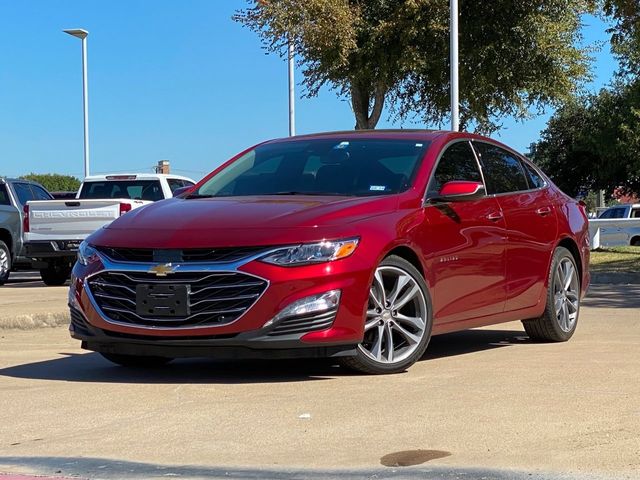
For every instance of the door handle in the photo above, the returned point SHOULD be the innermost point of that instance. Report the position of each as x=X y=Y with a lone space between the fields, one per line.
x=542 y=211
x=495 y=216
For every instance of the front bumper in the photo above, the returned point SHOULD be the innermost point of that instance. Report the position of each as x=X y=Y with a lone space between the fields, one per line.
x=323 y=334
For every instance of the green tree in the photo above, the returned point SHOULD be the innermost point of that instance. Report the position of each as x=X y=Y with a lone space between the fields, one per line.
x=55 y=182
x=625 y=38
x=594 y=143
x=514 y=56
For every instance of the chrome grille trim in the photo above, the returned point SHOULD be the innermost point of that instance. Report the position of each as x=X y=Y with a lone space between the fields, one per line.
x=197 y=276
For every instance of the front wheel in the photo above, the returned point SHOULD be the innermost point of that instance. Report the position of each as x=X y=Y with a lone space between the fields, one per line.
x=5 y=262
x=560 y=317
x=136 y=361
x=397 y=326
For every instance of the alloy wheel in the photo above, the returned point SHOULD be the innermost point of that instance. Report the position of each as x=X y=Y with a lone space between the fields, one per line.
x=4 y=262
x=566 y=295
x=396 y=316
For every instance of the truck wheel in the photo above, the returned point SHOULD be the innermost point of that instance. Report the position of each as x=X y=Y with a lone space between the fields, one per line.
x=560 y=317
x=635 y=242
x=56 y=274
x=136 y=361
x=5 y=262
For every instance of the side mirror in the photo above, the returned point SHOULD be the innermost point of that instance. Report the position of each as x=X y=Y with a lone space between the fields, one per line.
x=460 y=191
x=179 y=191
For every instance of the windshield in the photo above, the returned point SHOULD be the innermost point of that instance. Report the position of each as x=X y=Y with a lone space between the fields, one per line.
x=350 y=167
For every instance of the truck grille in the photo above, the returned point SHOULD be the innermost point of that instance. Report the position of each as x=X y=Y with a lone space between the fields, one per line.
x=211 y=255
x=214 y=298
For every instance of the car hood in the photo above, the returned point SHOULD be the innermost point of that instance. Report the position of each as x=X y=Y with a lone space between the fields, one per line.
x=229 y=221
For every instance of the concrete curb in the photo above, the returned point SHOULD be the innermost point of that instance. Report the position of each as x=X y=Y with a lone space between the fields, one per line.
x=30 y=322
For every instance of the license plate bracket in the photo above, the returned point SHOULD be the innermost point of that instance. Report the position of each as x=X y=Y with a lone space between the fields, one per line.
x=159 y=300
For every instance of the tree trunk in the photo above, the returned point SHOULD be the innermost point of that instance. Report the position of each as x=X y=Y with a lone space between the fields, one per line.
x=360 y=100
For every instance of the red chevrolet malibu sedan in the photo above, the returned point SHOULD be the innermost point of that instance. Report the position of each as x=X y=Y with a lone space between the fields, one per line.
x=353 y=245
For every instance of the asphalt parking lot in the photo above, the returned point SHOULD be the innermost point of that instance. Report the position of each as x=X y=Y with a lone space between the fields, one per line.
x=485 y=403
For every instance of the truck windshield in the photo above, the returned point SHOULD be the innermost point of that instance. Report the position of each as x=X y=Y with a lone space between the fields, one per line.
x=134 y=189
x=351 y=167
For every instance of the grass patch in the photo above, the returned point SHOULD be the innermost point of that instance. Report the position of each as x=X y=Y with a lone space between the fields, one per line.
x=615 y=259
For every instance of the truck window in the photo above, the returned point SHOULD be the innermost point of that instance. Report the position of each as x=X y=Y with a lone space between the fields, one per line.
x=617 y=212
x=23 y=192
x=635 y=213
x=134 y=189
x=4 y=196
x=40 y=193
x=176 y=183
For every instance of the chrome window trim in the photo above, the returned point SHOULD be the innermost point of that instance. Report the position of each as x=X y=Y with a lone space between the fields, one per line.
x=520 y=158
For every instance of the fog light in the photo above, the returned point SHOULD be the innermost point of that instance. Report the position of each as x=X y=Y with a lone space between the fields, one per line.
x=307 y=305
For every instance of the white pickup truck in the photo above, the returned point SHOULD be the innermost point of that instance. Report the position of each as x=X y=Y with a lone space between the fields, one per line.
x=616 y=226
x=53 y=229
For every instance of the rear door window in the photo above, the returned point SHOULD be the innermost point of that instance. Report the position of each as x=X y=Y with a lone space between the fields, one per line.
x=503 y=171
x=533 y=177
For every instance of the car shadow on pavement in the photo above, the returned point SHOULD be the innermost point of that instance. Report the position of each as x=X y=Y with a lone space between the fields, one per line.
x=612 y=296
x=92 y=367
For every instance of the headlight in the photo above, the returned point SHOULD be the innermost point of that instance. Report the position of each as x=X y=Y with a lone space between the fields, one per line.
x=87 y=254
x=309 y=253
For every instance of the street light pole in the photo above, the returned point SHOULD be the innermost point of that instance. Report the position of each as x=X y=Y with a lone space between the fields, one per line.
x=453 y=46
x=292 y=96
x=82 y=35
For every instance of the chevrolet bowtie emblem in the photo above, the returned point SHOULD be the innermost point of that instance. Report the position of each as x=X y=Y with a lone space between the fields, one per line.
x=163 y=270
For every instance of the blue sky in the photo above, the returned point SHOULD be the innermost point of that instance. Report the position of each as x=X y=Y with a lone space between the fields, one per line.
x=167 y=80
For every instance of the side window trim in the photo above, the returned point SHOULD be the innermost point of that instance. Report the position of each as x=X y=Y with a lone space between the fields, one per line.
x=527 y=163
x=437 y=162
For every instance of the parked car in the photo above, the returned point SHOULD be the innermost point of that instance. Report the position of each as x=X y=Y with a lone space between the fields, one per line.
x=616 y=226
x=624 y=210
x=14 y=194
x=54 y=229
x=353 y=245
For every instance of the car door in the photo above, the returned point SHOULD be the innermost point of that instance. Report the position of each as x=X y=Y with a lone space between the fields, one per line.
x=530 y=218
x=464 y=243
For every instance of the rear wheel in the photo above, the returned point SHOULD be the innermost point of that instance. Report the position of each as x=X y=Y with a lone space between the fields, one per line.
x=138 y=361
x=398 y=320
x=635 y=242
x=5 y=262
x=560 y=317
x=56 y=273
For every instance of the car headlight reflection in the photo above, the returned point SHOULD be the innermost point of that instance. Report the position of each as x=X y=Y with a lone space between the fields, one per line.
x=309 y=253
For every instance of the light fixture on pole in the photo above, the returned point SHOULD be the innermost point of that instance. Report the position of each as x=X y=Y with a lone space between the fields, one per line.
x=453 y=46
x=292 y=96
x=82 y=35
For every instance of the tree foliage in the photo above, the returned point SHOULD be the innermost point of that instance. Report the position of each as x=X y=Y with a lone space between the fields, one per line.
x=54 y=182
x=594 y=143
x=625 y=39
x=514 y=56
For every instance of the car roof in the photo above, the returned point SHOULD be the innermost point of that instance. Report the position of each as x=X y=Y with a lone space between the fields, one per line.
x=19 y=180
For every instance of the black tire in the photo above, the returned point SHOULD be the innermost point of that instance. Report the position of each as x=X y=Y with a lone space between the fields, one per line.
x=136 y=361
x=635 y=242
x=5 y=262
x=421 y=306
x=55 y=274
x=550 y=326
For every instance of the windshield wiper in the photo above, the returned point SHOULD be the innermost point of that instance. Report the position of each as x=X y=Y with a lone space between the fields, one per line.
x=295 y=192
x=197 y=195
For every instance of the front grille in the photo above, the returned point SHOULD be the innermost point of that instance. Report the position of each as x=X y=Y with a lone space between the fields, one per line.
x=304 y=324
x=210 y=255
x=214 y=298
